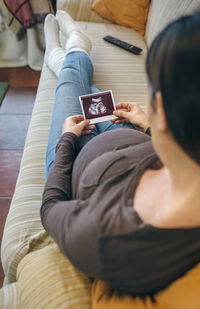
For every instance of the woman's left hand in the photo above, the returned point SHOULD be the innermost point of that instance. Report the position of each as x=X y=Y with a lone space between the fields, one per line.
x=131 y=112
x=77 y=125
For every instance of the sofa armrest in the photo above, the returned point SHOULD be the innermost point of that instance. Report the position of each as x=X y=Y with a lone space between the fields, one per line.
x=47 y=279
x=9 y=296
x=81 y=10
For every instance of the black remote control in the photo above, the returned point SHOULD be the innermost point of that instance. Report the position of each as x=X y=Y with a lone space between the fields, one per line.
x=129 y=47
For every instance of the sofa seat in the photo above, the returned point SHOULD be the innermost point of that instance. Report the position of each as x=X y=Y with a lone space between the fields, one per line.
x=115 y=68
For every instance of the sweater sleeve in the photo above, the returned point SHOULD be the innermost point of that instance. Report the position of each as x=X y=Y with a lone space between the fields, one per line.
x=58 y=185
x=69 y=222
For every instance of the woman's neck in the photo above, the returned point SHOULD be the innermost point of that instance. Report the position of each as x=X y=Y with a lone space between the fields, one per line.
x=183 y=176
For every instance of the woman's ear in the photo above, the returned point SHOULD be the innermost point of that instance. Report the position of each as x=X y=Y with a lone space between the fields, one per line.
x=161 y=121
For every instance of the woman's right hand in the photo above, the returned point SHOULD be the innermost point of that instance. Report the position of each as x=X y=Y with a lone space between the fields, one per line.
x=78 y=125
x=131 y=112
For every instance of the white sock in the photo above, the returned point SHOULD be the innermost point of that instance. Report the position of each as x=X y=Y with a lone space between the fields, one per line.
x=78 y=42
x=76 y=39
x=54 y=53
x=66 y=22
x=56 y=60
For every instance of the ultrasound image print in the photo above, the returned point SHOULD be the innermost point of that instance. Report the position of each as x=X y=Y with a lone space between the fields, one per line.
x=97 y=105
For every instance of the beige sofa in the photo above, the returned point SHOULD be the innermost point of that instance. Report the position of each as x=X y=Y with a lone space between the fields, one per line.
x=115 y=69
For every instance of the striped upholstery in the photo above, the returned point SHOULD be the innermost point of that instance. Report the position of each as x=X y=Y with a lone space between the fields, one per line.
x=47 y=279
x=81 y=10
x=23 y=227
x=115 y=69
x=162 y=12
x=10 y=297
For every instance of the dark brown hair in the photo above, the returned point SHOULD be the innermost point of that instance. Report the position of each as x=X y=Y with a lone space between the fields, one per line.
x=173 y=67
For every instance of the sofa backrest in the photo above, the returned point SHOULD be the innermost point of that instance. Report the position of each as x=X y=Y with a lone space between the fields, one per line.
x=80 y=10
x=162 y=12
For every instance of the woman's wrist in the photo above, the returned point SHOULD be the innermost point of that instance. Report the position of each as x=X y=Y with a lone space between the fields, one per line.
x=145 y=123
x=143 y=127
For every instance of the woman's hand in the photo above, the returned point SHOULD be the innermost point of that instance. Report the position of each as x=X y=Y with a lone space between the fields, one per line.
x=131 y=112
x=77 y=125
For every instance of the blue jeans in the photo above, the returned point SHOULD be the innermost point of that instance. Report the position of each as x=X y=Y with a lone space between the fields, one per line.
x=75 y=79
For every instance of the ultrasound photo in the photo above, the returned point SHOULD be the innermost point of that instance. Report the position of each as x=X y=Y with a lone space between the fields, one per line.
x=98 y=107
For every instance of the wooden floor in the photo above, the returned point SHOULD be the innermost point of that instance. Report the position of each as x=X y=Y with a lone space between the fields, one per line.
x=15 y=114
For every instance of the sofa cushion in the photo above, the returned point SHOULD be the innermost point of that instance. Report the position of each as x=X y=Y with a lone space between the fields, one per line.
x=162 y=12
x=181 y=294
x=47 y=279
x=9 y=296
x=81 y=10
x=115 y=69
x=124 y=12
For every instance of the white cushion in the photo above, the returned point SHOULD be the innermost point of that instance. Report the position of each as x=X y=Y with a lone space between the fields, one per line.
x=81 y=10
x=164 y=11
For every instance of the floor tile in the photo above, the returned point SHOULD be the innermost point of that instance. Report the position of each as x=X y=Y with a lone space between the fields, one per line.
x=13 y=130
x=9 y=169
x=19 y=100
x=4 y=208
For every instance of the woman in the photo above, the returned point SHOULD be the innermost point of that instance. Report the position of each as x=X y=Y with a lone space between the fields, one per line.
x=122 y=206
